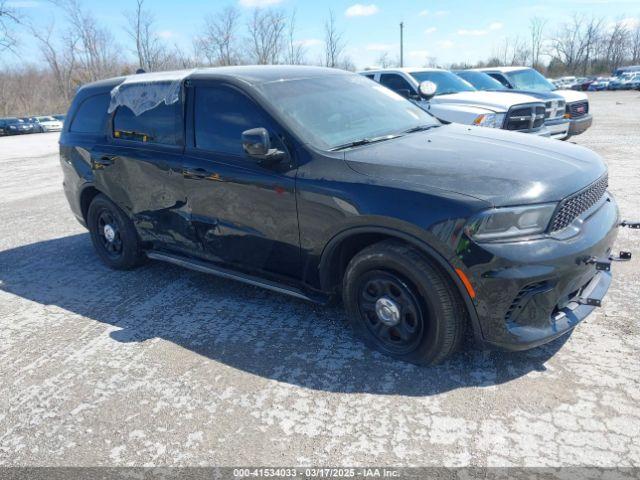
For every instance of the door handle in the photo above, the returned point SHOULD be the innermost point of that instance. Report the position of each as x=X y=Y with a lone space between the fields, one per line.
x=194 y=173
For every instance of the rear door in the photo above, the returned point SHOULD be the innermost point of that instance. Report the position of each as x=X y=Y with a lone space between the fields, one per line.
x=244 y=212
x=140 y=169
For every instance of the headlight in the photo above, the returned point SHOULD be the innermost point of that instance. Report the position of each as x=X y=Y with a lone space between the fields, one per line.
x=492 y=120
x=507 y=223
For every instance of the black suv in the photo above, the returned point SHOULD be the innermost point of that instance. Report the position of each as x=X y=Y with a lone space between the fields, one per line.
x=320 y=183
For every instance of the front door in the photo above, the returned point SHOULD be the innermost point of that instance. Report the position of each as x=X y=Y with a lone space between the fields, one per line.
x=244 y=213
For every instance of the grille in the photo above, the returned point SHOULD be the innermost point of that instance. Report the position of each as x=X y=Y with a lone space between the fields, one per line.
x=525 y=117
x=578 y=109
x=579 y=203
x=554 y=109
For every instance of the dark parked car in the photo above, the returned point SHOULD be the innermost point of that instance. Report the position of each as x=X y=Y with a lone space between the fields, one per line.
x=320 y=183
x=15 y=126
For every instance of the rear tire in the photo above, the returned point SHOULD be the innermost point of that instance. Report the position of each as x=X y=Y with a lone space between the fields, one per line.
x=401 y=304
x=113 y=235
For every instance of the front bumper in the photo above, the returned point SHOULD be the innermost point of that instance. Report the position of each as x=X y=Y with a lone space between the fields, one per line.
x=527 y=292
x=559 y=128
x=580 y=124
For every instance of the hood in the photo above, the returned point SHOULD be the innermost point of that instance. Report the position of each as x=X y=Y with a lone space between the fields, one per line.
x=499 y=167
x=540 y=95
x=572 y=95
x=496 y=101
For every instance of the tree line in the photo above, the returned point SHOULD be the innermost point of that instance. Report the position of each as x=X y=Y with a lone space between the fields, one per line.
x=82 y=49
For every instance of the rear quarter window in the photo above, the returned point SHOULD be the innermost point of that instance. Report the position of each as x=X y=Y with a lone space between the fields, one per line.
x=91 y=115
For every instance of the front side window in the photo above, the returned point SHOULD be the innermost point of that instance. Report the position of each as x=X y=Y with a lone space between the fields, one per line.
x=481 y=80
x=221 y=115
x=500 y=78
x=332 y=110
x=158 y=125
x=91 y=115
x=395 y=82
x=446 y=82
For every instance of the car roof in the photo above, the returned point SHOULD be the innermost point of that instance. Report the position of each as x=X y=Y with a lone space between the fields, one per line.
x=402 y=69
x=250 y=74
x=500 y=69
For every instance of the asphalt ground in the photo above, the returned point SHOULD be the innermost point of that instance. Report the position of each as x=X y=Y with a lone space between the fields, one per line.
x=164 y=366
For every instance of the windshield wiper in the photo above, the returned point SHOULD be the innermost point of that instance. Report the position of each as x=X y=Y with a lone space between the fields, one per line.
x=363 y=141
x=420 y=128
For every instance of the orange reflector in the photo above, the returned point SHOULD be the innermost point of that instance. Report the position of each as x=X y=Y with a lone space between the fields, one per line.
x=467 y=283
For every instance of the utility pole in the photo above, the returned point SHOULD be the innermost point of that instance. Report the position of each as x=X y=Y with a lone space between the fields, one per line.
x=401 y=44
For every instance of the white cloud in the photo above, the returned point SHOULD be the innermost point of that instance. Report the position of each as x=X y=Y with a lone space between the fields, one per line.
x=477 y=32
x=445 y=44
x=430 y=30
x=166 y=34
x=259 y=3
x=423 y=13
x=418 y=53
x=308 y=42
x=380 y=47
x=472 y=33
x=359 y=10
x=630 y=23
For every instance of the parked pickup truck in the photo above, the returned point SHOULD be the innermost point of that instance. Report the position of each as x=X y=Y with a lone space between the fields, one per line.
x=525 y=78
x=457 y=101
x=555 y=118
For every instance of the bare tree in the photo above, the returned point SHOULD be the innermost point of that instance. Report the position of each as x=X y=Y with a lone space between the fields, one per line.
x=512 y=51
x=219 y=42
x=385 y=60
x=60 y=56
x=266 y=36
x=634 y=36
x=296 y=51
x=8 y=18
x=536 y=33
x=149 y=49
x=333 y=42
x=96 y=51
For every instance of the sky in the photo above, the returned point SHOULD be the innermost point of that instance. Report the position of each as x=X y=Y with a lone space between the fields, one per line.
x=447 y=31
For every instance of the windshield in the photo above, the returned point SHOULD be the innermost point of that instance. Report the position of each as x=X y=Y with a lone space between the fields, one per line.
x=481 y=80
x=446 y=82
x=530 y=79
x=336 y=110
x=46 y=119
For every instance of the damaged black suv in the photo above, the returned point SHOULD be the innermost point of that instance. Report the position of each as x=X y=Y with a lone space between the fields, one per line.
x=320 y=183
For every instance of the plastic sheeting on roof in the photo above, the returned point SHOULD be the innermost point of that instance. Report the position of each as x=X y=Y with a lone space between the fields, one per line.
x=148 y=90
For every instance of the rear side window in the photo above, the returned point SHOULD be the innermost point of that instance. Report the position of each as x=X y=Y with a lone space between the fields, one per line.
x=158 y=125
x=221 y=115
x=91 y=115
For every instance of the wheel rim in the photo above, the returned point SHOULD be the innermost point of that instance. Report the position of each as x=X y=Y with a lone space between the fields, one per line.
x=109 y=234
x=391 y=311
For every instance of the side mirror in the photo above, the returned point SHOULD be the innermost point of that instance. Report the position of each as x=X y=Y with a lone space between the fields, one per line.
x=256 y=144
x=427 y=90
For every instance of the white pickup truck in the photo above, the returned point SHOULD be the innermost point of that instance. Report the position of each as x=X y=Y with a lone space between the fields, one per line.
x=457 y=101
x=525 y=78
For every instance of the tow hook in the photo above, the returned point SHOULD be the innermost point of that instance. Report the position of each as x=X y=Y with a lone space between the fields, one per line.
x=628 y=224
x=604 y=264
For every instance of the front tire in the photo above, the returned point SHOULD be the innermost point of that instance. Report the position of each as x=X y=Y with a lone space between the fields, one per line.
x=113 y=235
x=401 y=304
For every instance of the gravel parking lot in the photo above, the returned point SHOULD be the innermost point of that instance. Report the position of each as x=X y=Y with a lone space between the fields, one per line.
x=164 y=366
